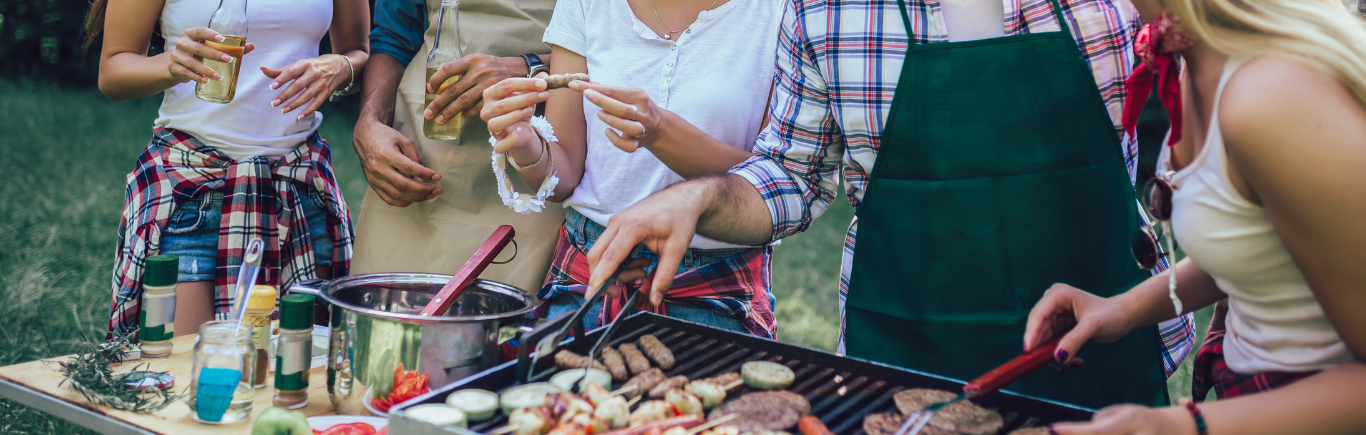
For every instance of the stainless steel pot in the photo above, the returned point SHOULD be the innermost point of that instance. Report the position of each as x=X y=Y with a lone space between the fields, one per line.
x=375 y=327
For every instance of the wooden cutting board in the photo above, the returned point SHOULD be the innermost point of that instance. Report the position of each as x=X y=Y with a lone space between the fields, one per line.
x=175 y=419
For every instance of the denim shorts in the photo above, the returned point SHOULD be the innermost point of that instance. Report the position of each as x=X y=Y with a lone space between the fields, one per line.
x=585 y=232
x=192 y=233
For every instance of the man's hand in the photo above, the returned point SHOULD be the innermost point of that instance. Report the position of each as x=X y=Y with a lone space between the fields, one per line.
x=665 y=222
x=392 y=165
x=479 y=71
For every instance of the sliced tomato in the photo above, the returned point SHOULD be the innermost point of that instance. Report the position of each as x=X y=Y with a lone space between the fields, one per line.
x=350 y=429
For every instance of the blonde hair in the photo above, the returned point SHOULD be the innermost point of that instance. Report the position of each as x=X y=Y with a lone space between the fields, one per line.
x=1323 y=34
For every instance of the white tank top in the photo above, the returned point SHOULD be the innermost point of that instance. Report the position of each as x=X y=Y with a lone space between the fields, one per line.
x=283 y=32
x=1274 y=322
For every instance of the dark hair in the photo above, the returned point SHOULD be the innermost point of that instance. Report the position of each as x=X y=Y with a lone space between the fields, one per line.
x=94 y=23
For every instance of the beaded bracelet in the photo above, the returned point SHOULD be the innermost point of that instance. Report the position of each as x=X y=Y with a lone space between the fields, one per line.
x=1199 y=418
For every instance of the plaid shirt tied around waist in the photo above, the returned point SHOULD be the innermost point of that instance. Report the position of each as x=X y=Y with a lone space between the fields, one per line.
x=736 y=286
x=261 y=200
x=838 y=63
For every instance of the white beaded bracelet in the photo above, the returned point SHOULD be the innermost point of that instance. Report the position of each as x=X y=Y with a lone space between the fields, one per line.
x=521 y=202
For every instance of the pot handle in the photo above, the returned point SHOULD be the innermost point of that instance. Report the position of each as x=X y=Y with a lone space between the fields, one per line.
x=309 y=287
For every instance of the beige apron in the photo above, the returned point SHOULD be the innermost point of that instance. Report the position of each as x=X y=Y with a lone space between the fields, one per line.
x=437 y=236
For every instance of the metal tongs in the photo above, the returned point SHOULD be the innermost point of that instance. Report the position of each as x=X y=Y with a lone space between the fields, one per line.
x=987 y=384
x=546 y=346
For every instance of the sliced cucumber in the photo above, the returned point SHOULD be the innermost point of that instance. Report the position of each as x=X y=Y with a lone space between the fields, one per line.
x=526 y=396
x=565 y=378
x=478 y=405
x=438 y=414
x=766 y=375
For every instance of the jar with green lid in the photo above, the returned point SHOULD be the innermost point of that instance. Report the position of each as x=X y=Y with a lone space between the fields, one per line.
x=294 y=351
x=156 y=318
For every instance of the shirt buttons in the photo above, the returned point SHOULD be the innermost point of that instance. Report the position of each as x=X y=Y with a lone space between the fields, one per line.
x=669 y=64
x=673 y=47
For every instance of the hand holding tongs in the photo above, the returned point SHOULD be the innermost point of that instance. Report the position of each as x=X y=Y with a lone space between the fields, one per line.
x=987 y=384
x=547 y=346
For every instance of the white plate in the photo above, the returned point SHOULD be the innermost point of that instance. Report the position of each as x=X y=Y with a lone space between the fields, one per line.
x=323 y=422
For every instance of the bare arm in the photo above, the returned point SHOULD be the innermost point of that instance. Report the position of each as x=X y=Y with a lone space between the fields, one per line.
x=126 y=72
x=392 y=165
x=510 y=106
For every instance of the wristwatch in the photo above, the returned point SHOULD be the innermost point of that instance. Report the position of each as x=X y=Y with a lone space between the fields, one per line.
x=534 y=65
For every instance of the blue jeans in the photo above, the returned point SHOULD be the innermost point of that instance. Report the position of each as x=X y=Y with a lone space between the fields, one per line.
x=584 y=232
x=192 y=234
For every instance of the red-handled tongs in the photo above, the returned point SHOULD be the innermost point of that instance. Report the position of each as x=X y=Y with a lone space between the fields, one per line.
x=471 y=270
x=987 y=384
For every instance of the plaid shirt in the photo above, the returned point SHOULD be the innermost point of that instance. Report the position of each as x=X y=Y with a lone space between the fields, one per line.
x=837 y=69
x=262 y=201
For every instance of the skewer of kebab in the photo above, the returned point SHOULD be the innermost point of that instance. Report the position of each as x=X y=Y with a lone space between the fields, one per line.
x=657 y=351
x=635 y=360
x=679 y=430
x=643 y=382
x=616 y=364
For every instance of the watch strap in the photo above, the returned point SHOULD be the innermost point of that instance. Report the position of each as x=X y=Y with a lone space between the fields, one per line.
x=534 y=65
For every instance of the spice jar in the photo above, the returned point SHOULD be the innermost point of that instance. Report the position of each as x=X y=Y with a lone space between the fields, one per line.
x=221 y=347
x=260 y=304
x=294 y=351
x=156 y=318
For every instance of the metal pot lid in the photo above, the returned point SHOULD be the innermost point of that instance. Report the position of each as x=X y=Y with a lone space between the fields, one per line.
x=402 y=296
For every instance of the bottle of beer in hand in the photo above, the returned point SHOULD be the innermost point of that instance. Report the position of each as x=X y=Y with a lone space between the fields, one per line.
x=230 y=20
x=445 y=48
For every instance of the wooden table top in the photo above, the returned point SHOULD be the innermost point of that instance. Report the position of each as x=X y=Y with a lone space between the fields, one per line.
x=176 y=418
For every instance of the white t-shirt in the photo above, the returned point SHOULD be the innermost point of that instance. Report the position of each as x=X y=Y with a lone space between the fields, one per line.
x=970 y=20
x=283 y=32
x=717 y=76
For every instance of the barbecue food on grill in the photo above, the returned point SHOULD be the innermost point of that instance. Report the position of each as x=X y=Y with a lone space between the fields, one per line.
x=710 y=393
x=659 y=426
x=766 y=410
x=657 y=352
x=644 y=382
x=525 y=396
x=686 y=403
x=766 y=375
x=811 y=425
x=668 y=384
x=634 y=359
x=569 y=360
x=478 y=405
x=651 y=410
x=535 y=420
x=616 y=365
x=1030 y=431
x=959 y=418
x=576 y=379
x=614 y=411
x=725 y=380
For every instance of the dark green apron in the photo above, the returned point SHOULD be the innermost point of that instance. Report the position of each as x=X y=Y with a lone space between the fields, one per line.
x=999 y=174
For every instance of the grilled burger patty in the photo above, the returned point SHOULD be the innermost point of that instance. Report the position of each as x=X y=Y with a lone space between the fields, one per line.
x=889 y=423
x=959 y=418
x=767 y=410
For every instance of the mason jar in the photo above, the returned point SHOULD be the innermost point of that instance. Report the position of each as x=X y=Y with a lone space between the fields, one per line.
x=220 y=347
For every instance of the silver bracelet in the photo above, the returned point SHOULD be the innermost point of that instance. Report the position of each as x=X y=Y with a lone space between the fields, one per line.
x=350 y=86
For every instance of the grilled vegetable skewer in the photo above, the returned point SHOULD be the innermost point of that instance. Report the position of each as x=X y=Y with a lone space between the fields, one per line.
x=668 y=384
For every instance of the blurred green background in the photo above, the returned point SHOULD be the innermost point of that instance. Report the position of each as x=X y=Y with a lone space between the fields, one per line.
x=65 y=150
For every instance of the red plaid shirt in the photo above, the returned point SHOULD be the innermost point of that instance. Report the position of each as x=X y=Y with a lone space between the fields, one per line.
x=261 y=200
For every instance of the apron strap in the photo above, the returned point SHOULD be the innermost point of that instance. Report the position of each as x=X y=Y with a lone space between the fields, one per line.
x=1057 y=15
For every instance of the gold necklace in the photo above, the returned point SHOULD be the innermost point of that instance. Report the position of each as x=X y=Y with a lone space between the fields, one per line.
x=666 y=26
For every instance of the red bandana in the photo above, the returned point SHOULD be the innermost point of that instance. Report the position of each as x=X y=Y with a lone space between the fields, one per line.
x=1156 y=45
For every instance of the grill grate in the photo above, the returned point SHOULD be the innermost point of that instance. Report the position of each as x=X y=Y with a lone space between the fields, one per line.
x=841 y=390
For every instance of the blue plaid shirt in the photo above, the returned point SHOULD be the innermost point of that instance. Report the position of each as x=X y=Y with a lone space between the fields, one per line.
x=837 y=68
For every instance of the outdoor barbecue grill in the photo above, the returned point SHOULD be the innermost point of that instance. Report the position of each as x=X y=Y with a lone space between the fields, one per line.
x=842 y=390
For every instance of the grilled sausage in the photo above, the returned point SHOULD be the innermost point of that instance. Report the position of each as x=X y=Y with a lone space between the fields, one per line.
x=569 y=360
x=644 y=382
x=668 y=384
x=616 y=365
x=810 y=425
x=657 y=352
x=634 y=359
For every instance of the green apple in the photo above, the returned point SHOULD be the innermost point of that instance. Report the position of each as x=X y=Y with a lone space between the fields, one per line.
x=279 y=421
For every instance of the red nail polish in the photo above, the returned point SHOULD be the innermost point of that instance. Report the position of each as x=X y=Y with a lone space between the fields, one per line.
x=1061 y=356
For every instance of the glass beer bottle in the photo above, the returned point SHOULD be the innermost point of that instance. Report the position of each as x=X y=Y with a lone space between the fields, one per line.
x=445 y=48
x=230 y=20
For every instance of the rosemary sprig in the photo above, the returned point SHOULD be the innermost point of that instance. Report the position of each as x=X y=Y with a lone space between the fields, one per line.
x=90 y=373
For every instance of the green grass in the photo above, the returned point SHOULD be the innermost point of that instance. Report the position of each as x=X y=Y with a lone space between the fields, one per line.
x=63 y=157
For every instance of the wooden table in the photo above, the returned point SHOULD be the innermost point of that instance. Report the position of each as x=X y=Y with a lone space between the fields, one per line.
x=36 y=385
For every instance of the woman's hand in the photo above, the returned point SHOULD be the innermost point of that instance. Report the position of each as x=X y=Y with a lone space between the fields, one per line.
x=635 y=118
x=508 y=107
x=187 y=64
x=1079 y=317
x=313 y=81
x=1132 y=420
